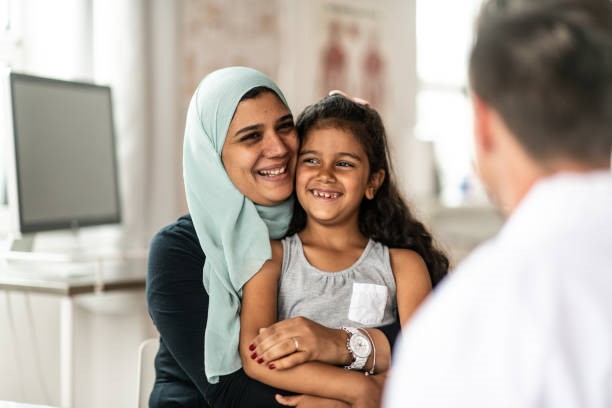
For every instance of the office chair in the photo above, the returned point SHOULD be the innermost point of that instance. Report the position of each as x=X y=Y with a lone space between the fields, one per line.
x=146 y=370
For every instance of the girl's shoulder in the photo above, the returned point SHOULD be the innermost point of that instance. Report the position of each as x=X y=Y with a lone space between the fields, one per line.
x=406 y=261
x=271 y=269
x=411 y=279
x=277 y=245
x=277 y=250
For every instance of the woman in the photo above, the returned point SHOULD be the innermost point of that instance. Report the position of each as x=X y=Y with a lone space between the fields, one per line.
x=239 y=161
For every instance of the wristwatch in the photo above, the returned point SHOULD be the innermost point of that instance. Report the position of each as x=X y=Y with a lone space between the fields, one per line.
x=359 y=346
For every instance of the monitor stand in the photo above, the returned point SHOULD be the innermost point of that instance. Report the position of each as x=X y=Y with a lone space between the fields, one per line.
x=23 y=244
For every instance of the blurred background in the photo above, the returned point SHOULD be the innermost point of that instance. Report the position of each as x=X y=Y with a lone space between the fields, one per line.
x=407 y=57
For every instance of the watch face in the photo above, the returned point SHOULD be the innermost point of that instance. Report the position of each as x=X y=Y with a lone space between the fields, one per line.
x=360 y=345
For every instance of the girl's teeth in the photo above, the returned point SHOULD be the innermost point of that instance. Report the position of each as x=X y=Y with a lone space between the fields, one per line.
x=325 y=195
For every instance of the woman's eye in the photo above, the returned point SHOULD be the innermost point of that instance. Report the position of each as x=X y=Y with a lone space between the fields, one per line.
x=249 y=136
x=285 y=127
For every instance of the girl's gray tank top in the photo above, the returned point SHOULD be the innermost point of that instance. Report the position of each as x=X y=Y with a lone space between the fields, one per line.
x=363 y=295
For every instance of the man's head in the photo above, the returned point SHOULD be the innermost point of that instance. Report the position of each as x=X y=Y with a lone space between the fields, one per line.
x=543 y=69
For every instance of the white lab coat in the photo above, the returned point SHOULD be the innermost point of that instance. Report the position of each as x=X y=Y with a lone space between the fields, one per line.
x=526 y=320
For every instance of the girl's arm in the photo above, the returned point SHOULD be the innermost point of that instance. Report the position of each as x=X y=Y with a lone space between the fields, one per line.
x=314 y=378
x=411 y=280
x=275 y=344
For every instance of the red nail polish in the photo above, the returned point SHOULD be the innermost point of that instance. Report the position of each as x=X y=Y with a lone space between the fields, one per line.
x=253 y=356
x=260 y=360
x=251 y=347
x=271 y=366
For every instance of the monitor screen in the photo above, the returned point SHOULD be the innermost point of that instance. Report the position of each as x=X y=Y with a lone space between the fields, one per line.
x=64 y=147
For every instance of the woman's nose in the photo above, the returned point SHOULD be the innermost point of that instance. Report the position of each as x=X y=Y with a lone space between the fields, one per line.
x=274 y=145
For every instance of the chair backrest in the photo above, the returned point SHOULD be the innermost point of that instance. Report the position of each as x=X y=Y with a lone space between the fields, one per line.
x=146 y=370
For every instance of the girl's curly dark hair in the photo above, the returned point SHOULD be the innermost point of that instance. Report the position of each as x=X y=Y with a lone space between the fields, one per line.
x=386 y=218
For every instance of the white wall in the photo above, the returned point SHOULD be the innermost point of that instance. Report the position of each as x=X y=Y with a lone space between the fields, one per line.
x=166 y=197
x=29 y=352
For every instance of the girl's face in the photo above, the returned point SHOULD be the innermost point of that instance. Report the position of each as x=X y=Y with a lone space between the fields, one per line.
x=333 y=176
x=260 y=149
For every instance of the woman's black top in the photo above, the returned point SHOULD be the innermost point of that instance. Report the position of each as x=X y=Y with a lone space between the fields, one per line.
x=178 y=305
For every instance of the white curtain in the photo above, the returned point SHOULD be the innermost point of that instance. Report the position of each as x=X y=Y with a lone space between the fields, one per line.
x=119 y=58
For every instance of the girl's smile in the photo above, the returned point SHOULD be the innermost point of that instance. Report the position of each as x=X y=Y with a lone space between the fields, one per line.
x=326 y=194
x=332 y=175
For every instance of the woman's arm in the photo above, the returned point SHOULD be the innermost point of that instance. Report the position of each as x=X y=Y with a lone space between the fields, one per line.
x=314 y=378
x=178 y=305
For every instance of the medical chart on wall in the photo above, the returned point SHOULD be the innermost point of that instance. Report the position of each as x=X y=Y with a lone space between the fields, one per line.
x=220 y=33
x=351 y=49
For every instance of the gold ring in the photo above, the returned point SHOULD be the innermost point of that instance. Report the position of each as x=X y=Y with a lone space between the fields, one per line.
x=297 y=345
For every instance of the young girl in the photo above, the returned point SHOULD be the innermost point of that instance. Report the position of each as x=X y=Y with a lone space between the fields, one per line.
x=354 y=258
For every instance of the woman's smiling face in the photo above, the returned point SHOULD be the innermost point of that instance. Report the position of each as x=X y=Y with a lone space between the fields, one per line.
x=259 y=152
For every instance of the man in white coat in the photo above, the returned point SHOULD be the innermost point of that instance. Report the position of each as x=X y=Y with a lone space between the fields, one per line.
x=526 y=319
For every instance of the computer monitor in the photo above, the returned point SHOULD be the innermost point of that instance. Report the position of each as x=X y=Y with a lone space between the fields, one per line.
x=62 y=166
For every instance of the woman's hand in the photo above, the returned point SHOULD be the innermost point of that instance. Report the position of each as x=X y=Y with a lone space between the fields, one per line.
x=306 y=401
x=294 y=341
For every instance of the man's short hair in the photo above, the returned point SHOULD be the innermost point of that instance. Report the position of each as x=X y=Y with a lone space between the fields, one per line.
x=546 y=67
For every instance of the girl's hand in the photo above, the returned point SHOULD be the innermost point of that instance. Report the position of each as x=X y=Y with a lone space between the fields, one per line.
x=305 y=401
x=291 y=342
x=368 y=396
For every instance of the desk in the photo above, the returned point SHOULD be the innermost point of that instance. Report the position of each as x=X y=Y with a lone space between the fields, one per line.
x=68 y=280
x=11 y=404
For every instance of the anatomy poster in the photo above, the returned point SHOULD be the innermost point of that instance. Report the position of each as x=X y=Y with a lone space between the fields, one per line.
x=352 y=54
x=220 y=33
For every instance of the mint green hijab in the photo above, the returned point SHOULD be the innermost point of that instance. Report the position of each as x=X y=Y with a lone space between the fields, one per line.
x=233 y=231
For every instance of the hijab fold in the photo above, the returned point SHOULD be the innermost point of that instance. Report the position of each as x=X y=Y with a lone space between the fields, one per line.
x=232 y=230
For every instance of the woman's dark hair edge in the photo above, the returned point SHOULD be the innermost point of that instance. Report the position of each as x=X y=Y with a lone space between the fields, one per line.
x=378 y=218
x=255 y=92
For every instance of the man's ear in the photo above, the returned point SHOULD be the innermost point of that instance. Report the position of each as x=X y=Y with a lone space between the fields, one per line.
x=376 y=180
x=482 y=124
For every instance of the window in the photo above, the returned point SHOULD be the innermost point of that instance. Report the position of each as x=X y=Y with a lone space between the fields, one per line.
x=10 y=32
x=10 y=56
x=444 y=36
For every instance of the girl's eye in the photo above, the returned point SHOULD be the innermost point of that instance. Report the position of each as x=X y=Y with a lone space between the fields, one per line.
x=310 y=160
x=344 y=164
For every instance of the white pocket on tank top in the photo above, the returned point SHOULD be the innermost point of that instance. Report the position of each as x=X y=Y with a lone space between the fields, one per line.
x=368 y=303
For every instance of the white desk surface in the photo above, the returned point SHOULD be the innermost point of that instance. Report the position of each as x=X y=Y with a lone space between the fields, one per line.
x=69 y=279
x=12 y=404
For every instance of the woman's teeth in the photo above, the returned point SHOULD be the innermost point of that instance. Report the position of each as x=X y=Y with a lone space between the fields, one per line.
x=273 y=172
